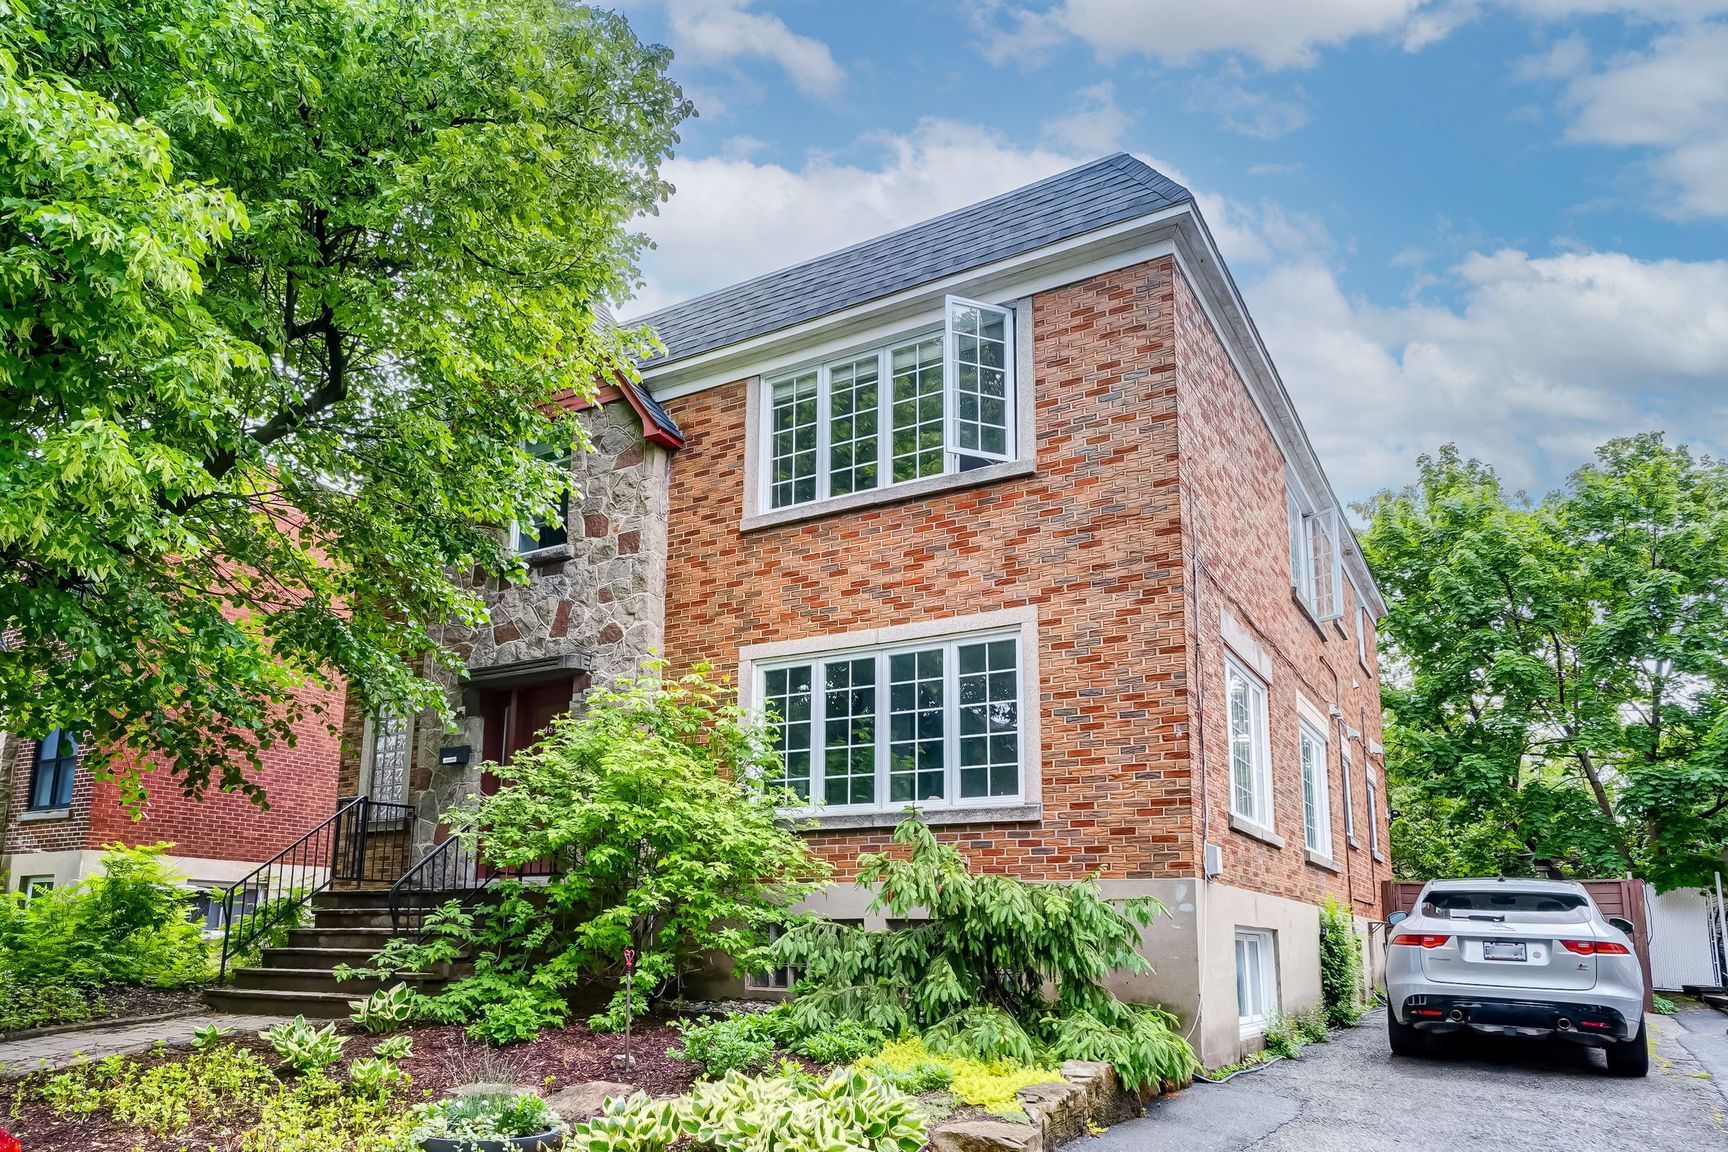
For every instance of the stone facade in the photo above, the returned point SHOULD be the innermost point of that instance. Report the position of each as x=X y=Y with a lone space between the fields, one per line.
x=592 y=608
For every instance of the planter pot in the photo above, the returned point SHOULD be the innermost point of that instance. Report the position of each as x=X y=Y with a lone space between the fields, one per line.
x=544 y=1142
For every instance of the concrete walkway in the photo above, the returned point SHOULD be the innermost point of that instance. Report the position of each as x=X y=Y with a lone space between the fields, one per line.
x=20 y=1057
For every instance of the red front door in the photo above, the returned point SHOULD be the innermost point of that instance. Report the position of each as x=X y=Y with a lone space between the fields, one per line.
x=515 y=718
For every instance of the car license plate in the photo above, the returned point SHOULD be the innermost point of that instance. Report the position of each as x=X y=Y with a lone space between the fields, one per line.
x=1502 y=950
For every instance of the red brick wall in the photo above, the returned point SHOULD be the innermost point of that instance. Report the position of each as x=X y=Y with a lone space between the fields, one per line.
x=1233 y=482
x=1092 y=539
x=299 y=782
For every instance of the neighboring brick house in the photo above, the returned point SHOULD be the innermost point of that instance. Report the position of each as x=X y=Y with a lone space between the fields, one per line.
x=55 y=816
x=1007 y=514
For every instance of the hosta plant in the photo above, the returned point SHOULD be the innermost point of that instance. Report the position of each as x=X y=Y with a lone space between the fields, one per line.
x=303 y=1047
x=849 y=1110
x=394 y=1047
x=209 y=1036
x=385 y=1010
x=376 y=1077
x=488 y=1117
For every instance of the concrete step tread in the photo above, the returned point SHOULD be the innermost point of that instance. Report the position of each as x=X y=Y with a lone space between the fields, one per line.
x=328 y=972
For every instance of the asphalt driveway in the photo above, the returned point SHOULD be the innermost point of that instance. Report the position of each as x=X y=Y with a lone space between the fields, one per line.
x=1352 y=1093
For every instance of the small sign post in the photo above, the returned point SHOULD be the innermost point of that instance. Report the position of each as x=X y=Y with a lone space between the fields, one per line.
x=625 y=1060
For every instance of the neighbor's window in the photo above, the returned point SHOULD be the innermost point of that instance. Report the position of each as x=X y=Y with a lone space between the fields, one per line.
x=550 y=533
x=51 y=777
x=1316 y=570
x=1349 y=804
x=919 y=406
x=1256 y=980
x=1316 y=793
x=1373 y=812
x=1250 y=753
x=1364 y=626
x=930 y=723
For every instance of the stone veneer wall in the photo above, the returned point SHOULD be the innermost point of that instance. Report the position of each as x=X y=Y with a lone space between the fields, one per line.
x=600 y=598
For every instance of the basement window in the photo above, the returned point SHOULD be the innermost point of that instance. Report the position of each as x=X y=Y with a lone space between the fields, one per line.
x=926 y=404
x=1256 y=980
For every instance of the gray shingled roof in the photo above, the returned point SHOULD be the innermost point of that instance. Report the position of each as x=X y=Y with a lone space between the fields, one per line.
x=1072 y=203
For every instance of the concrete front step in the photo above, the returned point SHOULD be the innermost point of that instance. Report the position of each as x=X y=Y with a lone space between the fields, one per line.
x=320 y=936
x=307 y=957
x=324 y=980
x=351 y=918
x=274 y=1002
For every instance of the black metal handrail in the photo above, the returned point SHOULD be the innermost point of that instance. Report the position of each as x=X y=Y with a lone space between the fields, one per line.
x=348 y=847
x=451 y=870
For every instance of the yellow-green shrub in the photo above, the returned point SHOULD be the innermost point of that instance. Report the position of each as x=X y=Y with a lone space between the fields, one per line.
x=988 y=1085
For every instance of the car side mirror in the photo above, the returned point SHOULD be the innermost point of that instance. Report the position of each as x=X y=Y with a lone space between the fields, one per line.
x=1623 y=924
x=1397 y=917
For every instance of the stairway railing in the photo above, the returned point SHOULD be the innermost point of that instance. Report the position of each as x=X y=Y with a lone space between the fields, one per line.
x=346 y=848
x=451 y=870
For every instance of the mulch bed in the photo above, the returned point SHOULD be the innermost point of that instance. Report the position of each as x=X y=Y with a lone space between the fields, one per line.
x=118 y=1004
x=443 y=1058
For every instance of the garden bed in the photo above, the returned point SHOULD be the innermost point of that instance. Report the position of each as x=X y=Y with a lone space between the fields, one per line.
x=443 y=1059
x=116 y=1007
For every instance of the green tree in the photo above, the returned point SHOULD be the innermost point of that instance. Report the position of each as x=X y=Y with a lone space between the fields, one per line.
x=1559 y=695
x=285 y=289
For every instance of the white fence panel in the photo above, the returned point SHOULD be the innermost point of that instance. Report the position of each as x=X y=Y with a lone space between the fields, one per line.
x=1682 y=946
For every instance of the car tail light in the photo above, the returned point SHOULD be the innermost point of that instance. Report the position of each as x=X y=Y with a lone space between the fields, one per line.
x=1595 y=948
x=1421 y=940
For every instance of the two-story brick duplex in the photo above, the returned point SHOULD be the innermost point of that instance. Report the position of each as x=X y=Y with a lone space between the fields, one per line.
x=1006 y=514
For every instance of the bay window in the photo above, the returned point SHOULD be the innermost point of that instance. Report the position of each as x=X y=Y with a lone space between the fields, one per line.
x=932 y=723
x=923 y=405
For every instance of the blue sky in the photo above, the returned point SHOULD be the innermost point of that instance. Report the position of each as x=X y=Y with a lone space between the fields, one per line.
x=1502 y=223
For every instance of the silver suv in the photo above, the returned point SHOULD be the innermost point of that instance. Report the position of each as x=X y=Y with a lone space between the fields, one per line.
x=1516 y=957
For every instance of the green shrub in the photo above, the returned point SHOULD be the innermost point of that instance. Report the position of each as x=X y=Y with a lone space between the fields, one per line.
x=124 y=925
x=25 y=1005
x=385 y=1010
x=302 y=1047
x=651 y=801
x=1340 y=966
x=1662 y=1005
x=740 y=1043
x=975 y=978
x=843 y=1043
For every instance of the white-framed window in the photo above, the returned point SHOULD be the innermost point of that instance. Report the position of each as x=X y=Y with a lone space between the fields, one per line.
x=1349 y=804
x=935 y=723
x=1373 y=812
x=1364 y=627
x=925 y=404
x=1316 y=567
x=1316 y=790
x=1256 y=980
x=29 y=886
x=550 y=533
x=1250 y=749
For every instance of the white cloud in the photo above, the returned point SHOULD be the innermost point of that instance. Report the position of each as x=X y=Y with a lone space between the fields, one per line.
x=734 y=217
x=1542 y=359
x=1096 y=124
x=1240 y=109
x=722 y=33
x=1671 y=99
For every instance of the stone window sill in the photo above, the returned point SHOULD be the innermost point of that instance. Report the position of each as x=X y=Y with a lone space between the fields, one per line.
x=893 y=493
x=1257 y=831
x=1355 y=844
x=37 y=815
x=978 y=814
x=1379 y=858
x=541 y=557
x=1318 y=861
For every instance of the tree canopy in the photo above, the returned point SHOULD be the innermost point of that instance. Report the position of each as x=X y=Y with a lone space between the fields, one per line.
x=285 y=289
x=1558 y=692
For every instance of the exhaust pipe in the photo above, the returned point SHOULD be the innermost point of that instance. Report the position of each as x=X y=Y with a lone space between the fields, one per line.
x=1457 y=1015
x=1563 y=1024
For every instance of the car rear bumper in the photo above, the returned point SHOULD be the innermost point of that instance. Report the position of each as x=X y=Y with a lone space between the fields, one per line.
x=1589 y=1023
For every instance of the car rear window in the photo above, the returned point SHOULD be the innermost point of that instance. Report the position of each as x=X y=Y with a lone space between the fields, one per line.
x=1464 y=904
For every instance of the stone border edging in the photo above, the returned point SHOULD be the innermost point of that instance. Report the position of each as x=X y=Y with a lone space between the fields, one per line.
x=93 y=1025
x=1089 y=1094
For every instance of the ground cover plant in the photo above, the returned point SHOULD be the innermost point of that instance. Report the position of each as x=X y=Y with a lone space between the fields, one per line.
x=69 y=953
x=986 y=967
x=667 y=844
